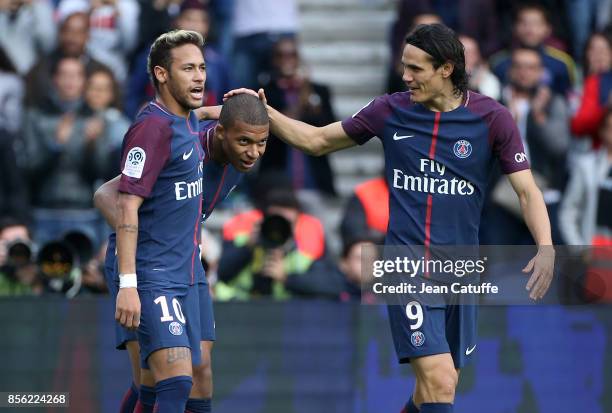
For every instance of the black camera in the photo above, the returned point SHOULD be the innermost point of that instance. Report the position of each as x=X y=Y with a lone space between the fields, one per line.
x=275 y=231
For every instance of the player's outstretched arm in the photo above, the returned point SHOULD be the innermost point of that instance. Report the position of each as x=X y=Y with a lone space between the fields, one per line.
x=128 y=303
x=105 y=200
x=313 y=140
x=208 y=112
x=536 y=218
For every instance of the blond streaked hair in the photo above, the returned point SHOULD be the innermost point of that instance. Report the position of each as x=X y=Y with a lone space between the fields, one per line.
x=159 y=55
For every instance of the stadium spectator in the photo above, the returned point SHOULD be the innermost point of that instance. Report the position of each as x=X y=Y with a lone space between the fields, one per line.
x=264 y=247
x=113 y=30
x=595 y=99
x=18 y=272
x=59 y=148
x=367 y=210
x=532 y=29
x=155 y=18
x=581 y=15
x=13 y=188
x=482 y=80
x=106 y=125
x=293 y=93
x=11 y=95
x=587 y=202
x=27 y=30
x=72 y=39
x=258 y=25
x=338 y=281
x=598 y=54
x=542 y=119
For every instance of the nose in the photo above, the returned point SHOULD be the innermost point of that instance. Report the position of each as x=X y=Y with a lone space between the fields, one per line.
x=200 y=75
x=407 y=76
x=253 y=152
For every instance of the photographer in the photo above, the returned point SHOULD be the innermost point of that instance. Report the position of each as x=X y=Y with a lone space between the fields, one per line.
x=265 y=247
x=18 y=273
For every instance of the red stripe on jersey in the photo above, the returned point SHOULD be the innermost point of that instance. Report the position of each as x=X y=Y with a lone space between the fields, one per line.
x=214 y=201
x=196 y=241
x=432 y=155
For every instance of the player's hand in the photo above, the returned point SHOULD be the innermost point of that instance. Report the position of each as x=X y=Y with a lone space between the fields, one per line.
x=127 y=311
x=240 y=91
x=542 y=265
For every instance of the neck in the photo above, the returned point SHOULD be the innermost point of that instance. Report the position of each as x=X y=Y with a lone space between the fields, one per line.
x=171 y=104
x=217 y=155
x=445 y=102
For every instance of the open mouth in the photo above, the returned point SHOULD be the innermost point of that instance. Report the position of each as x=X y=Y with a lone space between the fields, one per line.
x=247 y=164
x=197 y=93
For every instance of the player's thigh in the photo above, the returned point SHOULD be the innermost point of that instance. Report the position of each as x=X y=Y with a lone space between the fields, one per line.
x=133 y=350
x=462 y=332
x=417 y=330
x=170 y=362
x=170 y=318
x=207 y=315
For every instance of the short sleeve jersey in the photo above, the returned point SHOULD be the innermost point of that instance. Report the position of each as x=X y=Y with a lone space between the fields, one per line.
x=162 y=162
x=437 y=164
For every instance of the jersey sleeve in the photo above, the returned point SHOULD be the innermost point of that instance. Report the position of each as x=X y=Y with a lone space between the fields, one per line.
x=206 y=133
x=368 y=122
x=146 y=150
x=507 y=143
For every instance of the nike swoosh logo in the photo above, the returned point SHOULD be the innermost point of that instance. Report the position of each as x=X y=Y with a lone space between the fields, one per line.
x=397 y=137
x=469 y=351
x=187 y=155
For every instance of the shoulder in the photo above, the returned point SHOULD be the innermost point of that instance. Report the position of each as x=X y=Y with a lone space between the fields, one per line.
x=559 y=56
x=485 y=107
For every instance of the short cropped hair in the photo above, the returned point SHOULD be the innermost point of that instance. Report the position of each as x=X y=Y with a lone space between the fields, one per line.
x=443 y=45
x=244 y=107
x=159 y=54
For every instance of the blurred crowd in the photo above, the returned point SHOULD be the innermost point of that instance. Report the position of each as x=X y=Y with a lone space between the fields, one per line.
x=73 y=76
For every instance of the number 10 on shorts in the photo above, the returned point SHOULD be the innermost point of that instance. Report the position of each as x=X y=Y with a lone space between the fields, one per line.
x=176 y=306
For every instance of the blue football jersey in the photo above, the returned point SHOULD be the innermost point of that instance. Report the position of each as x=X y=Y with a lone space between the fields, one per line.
x=162 y=160
x=437 y=164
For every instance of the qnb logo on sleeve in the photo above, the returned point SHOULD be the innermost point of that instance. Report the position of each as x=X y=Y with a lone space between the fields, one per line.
x=134 y=162
x=520 y=157
x=187 y=190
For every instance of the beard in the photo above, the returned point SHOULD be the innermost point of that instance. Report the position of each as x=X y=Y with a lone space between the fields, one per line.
x=182 y=96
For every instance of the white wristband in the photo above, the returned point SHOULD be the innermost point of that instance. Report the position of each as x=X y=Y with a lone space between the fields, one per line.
x=127 y=281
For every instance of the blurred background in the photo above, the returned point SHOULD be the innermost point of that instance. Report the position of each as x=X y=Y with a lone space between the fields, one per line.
x=285 y=247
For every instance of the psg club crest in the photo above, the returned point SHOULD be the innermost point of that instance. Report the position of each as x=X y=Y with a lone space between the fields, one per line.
x=417 y=339
x=462 y=149
x=175 y=328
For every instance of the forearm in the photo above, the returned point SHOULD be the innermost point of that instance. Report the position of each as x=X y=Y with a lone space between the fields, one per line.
x=536 y=216
x=208 y=112
x=127 y=235
x=105 y=200
x=300 y=135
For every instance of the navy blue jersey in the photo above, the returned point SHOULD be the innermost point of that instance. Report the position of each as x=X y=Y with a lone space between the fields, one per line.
x=437 y=164
x=162 y=160
x=219 y=180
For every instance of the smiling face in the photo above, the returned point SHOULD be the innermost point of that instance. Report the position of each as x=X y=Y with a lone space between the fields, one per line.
x=182 y=85
x=424 y=81
x=243 y=144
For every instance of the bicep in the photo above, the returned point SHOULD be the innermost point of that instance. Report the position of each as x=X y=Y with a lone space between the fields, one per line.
x=335 y=138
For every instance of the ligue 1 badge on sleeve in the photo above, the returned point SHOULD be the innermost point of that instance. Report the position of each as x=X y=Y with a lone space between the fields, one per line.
x=175 y=328
x=462 y=148
x=417 y=339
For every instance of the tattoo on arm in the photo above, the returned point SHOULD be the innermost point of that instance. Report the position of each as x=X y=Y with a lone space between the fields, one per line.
x=178 y=353
x=127 y=228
